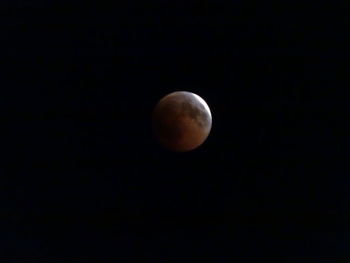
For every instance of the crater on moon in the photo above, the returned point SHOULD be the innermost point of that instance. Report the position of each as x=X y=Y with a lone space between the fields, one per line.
x=196 y=112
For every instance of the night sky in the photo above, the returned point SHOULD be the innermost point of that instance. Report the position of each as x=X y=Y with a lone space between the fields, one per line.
x=83 y=178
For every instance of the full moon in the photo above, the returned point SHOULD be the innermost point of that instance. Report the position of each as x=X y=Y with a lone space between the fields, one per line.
x=182 y=121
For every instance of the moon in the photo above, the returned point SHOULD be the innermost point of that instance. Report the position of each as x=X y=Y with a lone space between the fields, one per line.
x=181 y=121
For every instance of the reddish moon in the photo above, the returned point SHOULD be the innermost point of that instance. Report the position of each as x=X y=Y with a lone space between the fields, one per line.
x=182 y=121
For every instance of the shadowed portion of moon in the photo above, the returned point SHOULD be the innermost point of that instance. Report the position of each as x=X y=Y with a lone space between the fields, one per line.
x=182 y=121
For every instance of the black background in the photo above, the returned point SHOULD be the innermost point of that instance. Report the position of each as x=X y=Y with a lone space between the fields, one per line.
x=85 y=180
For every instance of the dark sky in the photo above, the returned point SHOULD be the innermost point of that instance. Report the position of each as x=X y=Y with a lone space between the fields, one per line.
x=83 y=178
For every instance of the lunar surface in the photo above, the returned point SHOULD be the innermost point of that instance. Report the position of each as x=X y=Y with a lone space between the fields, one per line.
x=182 y=121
